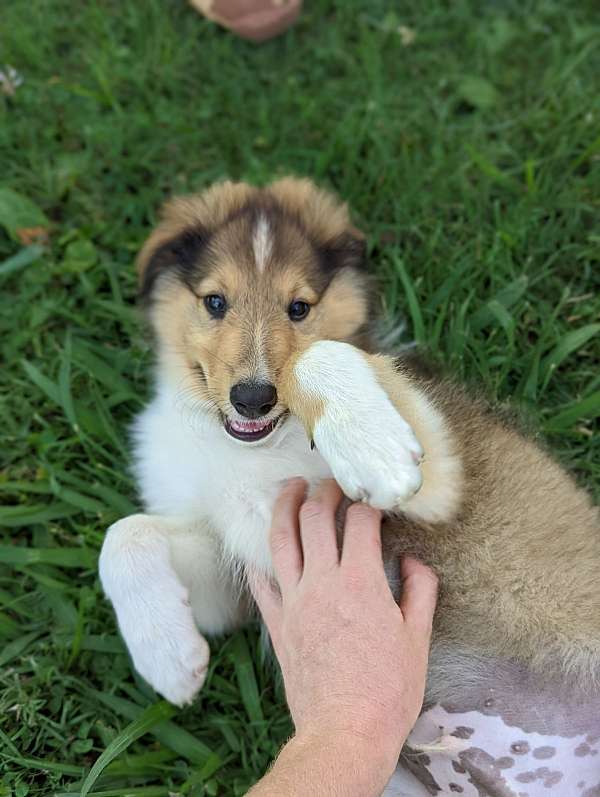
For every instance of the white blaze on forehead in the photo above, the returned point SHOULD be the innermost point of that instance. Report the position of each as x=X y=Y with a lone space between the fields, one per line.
x=262 y=243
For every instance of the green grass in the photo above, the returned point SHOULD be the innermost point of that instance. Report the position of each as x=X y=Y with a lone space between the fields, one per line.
x=472 y=158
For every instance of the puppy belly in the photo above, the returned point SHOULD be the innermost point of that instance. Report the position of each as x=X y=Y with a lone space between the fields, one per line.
x=510 y=736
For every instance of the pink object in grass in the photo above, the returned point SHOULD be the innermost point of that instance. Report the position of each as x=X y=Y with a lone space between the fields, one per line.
x=255 y=20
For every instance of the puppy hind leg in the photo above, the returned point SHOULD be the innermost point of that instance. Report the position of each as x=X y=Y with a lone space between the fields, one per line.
x=217 y=597
x=138 y=570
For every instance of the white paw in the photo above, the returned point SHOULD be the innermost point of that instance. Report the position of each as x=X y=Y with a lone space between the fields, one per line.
x=371 y=450
x=165 y=645
x=374 y=459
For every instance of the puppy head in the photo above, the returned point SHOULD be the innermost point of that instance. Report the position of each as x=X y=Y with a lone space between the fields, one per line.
x=238 y=279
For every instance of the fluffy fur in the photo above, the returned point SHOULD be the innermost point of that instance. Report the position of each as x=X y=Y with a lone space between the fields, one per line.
x=516 y=544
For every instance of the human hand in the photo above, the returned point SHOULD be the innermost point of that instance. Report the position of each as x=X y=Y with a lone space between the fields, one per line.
x=353 y=661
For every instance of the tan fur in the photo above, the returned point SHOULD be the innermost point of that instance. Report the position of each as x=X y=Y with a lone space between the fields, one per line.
x=321 y=212
x=256 y=338
x=209 y=209
x=519 y=561
x=308 y=408
x=440 y=497
x=515 y=542
x=323 y=216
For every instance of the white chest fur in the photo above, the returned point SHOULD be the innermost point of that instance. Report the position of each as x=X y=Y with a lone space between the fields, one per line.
x=162 y=570
x=188 y=467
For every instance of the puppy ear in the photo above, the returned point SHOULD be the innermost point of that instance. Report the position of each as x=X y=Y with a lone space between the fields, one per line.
x=177 y=256
x=186 y=222
x=326 y=220
x=174 y=247
x=346 y=250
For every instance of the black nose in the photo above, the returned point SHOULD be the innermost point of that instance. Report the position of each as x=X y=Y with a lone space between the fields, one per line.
x=253 y=399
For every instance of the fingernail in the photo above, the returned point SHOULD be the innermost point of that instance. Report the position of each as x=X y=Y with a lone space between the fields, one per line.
x=293 y=481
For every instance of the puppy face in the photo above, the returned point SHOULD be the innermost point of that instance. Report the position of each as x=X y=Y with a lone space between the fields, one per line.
x=237 y=280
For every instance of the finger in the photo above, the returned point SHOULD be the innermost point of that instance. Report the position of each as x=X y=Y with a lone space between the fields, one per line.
x=284 y=536
x=419 y=593
x=362 y=538
x=317 y=527
x=269 y=604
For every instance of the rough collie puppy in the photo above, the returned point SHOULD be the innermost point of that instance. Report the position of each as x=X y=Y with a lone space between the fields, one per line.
x=260 y=305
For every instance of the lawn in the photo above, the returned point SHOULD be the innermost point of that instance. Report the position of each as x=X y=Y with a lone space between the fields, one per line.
x=470 y=152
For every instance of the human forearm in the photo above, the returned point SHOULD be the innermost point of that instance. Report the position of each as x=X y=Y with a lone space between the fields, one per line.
x=353 y=661
x=327 y=768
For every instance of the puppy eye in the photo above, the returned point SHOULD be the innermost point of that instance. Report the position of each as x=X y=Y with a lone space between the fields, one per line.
x=216 y=305
x=298 y=310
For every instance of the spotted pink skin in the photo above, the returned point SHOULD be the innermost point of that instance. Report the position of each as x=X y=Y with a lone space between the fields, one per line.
x=513 y=735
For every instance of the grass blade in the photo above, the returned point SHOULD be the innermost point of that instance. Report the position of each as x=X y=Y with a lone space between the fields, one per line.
x=64 y=383
x=46 y=385
x=8 y=627
x=80 y=501
x=18 y=486
x=169 y=734
x=246 y=678
x=413 y=302
x=22 y=515
x=588 y=407
x=15 y=648
x=571 y=342
x=82 y=558
x=159 y=712
x=22 y=259
x=49 y=766
x=506 y=298
x=101 y=370
x=108 y=643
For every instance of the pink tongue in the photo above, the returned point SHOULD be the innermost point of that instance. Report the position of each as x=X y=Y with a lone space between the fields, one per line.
x=249 y=426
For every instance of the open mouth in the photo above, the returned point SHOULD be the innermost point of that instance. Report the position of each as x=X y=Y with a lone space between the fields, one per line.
x=249 y=431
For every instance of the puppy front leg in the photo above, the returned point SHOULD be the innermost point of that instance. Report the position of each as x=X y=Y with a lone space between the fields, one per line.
x=373 y=425
x=163 y=576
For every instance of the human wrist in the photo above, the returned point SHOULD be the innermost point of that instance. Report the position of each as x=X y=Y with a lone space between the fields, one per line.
x=322 y=761
x=373 y=730
x=356 y=757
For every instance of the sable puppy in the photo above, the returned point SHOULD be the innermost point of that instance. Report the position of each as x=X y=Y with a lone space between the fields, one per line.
x=260 y=306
